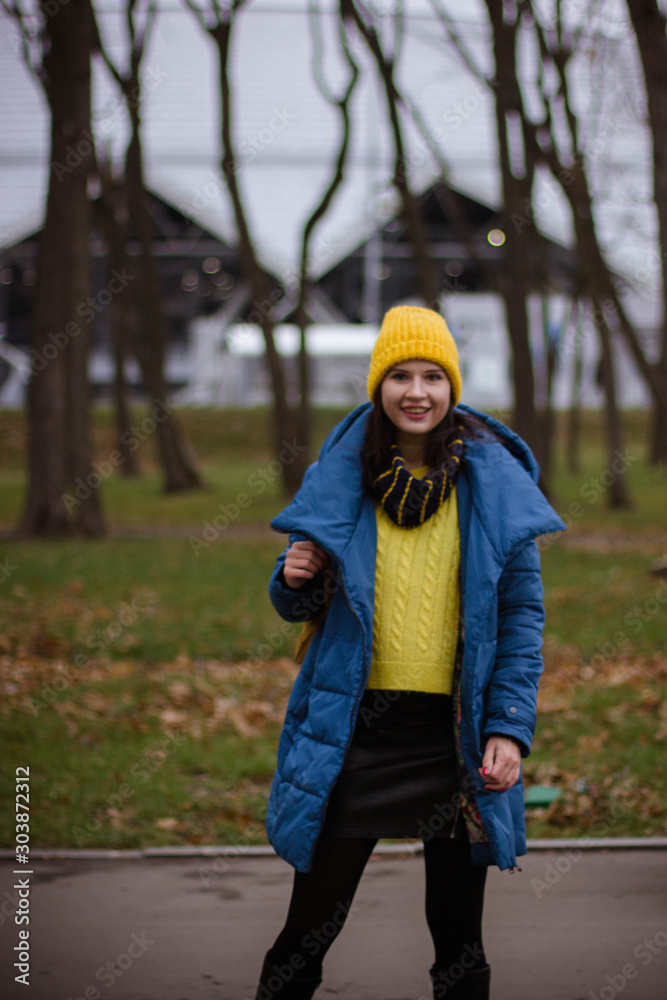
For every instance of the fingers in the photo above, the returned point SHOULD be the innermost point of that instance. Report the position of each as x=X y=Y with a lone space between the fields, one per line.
x=501 y=764
x=303 y=560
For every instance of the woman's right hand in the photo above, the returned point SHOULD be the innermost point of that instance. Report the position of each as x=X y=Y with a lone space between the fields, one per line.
x=303 y=560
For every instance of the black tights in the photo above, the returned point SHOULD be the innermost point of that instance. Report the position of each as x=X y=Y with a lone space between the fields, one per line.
x=322 y=897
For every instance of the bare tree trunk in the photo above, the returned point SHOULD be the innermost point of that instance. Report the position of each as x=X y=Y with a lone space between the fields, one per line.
x=282 y=423
x=573 y=435
x=177 y=460
x=610 y=313
x=129 y=465
x=150 y=341
x=59 y=448
x=122 y=320
x=517 y=191
x=342 y=105
x=650 y=26
x=596 y=277
x=618 y=494
x=546 y=413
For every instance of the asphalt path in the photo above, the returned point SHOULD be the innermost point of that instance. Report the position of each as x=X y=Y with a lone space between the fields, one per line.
x=572 y=925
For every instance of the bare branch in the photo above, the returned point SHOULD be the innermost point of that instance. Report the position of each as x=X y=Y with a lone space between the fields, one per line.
x=429 y=286
x=317 y=61
x=98 y=46
x=459 y=44
x=399 y=25
x=28 y=38
x=342 y=104
x=139 y=38
x=574 y=183
x=253 y=272
x=198 y=13
x=449 y=196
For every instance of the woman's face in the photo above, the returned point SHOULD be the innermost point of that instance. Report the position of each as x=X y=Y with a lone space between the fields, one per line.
x=415 y=396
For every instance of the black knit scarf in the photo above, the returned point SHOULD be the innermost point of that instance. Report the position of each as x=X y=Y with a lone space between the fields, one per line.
x=410 y=501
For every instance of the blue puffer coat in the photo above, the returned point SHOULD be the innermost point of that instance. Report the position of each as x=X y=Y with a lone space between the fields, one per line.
x=501 y=512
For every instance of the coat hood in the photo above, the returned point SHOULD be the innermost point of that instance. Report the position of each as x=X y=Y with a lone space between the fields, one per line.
x=509 y=516
x=317 y=504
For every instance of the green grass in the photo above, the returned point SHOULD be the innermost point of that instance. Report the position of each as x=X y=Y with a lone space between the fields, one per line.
x=131 y=505
x=165 y=616
x=603 y=602
x=583 y=500
x=117 y=776
x=144 y=679
x=232 y=450
x=600 y=740
x=149 y=600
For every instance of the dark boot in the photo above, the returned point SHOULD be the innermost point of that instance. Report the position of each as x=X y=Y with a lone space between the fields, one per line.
x=473 y=985
x=274 y=984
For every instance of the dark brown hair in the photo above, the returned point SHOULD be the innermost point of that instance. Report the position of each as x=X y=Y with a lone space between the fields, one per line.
x=381 y=435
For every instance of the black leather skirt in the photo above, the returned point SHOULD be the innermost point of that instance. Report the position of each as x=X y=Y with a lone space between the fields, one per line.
x=399 y=777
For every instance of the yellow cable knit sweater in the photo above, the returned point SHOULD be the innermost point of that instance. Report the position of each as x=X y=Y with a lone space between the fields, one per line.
x=415 y=626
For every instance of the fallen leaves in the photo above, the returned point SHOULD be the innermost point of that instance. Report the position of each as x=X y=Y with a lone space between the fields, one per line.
x=251 y=717
x=583 y=707
x=220 y=696
x=180 y=692
x=597 y=725
x=192 y=697
x=167 y=823
x=566 y=674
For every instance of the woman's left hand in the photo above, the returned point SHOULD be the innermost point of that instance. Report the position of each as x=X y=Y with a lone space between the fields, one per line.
x=501 y=764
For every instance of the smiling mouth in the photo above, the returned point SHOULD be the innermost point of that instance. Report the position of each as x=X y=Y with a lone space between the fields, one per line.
x=416 y=411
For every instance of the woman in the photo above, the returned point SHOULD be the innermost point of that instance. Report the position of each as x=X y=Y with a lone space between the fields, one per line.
x=415 y=531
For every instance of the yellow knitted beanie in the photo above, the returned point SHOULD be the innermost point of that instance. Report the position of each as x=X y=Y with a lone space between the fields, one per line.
x=412 y=332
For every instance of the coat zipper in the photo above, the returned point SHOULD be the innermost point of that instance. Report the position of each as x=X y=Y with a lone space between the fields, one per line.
x=357 y=701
